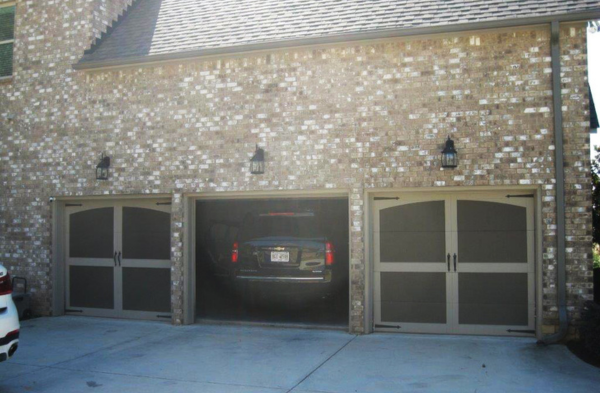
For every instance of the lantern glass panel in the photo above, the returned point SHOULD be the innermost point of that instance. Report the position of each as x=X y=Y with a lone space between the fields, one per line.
x=101 y=173
x=449 y=160
x=257 y=167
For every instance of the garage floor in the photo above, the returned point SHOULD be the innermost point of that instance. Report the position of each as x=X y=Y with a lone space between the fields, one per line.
x=77 y=354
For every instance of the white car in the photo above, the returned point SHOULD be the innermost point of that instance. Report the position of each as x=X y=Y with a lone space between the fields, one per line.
x=9 y=318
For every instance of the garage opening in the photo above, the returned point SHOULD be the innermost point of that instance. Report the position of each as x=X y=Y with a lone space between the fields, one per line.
x=273 y=261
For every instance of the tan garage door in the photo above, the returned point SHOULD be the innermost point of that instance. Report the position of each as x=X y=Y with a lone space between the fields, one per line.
x=118 y=259
x=453 y=263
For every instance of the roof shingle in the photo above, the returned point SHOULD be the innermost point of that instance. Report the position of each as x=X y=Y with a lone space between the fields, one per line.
x=162 y=27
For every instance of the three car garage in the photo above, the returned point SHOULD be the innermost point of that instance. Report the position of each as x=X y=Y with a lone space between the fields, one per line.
x=455 y=263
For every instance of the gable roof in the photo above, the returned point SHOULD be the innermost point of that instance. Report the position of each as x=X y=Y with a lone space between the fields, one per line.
x=155 y=30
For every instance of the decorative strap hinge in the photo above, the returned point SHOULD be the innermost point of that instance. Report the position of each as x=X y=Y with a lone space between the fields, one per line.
x=388 y=326
x=520 y=196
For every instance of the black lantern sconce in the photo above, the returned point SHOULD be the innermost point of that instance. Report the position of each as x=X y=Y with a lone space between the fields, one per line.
x=449 y=155
x=257 y=163
x=102 y=168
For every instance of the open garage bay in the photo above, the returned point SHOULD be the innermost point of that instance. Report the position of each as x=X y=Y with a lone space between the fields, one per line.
x=273 y=260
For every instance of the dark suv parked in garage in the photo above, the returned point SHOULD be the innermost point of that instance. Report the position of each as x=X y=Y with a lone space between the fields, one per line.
x=282 y=247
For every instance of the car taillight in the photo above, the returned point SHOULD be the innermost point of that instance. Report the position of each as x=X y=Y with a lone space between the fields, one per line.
x=5 y=285
x=329 y=258
x=13 y=333
x=234 y=253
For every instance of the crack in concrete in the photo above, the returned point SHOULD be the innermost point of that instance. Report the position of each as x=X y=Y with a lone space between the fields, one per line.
x=321 y=365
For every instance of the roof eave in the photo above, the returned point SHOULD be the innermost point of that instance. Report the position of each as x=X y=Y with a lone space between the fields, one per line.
x=336 y=39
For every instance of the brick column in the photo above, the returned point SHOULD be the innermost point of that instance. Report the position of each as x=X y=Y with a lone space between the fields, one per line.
x=177 y=271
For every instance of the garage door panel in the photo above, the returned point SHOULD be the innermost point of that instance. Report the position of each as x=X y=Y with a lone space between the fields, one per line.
x=494 y=315
x=492 y=247
x=412 y=232
x=413 y=297
x=493 y=299
x=413 y=217
x=91 y=233
x=91 y=287
x=399 y=247
x=147 y=289
x=146 y=234
x=490 y=216
x=490 y=231
x=401 y=312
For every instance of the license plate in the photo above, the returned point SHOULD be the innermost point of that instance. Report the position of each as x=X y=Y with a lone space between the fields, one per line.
x=278 y=256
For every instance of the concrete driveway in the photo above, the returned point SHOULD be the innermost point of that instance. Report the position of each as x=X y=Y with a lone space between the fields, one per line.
x=75 y=354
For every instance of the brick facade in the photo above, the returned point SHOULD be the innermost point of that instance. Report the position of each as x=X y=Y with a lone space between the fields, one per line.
x=350 y=117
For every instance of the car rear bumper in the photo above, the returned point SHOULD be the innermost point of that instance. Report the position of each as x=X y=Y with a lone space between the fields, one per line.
x=8 y=350
x=9 y=323
x=319 y=278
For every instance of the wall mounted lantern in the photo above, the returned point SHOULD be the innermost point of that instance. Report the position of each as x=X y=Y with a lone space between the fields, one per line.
x=449 y=155
x=102 y=168
x=257 y=163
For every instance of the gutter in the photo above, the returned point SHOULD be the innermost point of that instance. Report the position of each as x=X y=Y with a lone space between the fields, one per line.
x=560 y=192
x=593 y=13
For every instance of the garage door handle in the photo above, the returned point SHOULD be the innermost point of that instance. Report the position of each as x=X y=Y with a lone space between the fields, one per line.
x=454 y=262
x=119 y=258
x=115 y=258
x=448 y=261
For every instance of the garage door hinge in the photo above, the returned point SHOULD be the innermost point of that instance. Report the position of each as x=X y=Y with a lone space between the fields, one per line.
x=521 y=331
x=521 y=196
x=73 y=204
x=386 y=198
x=388 y=326
x=73 y=310
x=163 y=203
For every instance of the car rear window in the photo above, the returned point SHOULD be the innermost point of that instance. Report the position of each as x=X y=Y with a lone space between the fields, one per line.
x=299 y=226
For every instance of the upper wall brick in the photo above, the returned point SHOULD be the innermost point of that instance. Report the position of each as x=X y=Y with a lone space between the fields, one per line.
x=352 y=117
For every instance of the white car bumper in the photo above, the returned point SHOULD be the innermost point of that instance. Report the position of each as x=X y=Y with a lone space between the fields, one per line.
x=9 y=329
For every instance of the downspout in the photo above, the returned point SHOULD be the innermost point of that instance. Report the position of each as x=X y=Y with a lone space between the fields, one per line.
x=560 y=191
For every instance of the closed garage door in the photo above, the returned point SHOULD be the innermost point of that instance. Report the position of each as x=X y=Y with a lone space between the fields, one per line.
x=118 y=259
x=457 y=264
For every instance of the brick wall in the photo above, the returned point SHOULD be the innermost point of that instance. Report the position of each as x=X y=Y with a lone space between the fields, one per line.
x=578 y=187
x=353 y=117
